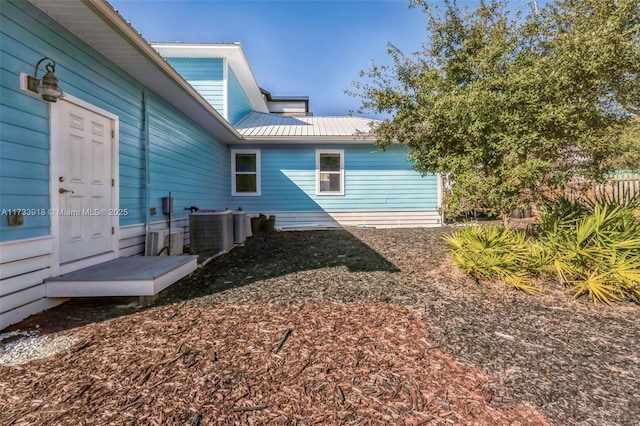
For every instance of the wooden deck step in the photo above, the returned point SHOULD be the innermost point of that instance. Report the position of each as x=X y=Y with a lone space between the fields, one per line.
x=125 y=276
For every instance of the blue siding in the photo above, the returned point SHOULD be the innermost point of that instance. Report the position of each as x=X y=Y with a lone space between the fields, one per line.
x=27 y=36
x=206 y=75
x=185 y=159
x=239 y=104
x=24 y=136
x=187 y=162
x=374 y=181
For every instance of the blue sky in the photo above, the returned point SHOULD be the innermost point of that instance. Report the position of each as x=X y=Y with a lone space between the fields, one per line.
x=309 y=48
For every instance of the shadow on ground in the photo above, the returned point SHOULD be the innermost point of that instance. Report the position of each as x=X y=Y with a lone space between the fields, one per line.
x=272 y=255
x=264 y=256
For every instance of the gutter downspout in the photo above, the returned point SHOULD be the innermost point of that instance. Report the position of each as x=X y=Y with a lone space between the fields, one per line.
x=440 y=194
x=147 y=161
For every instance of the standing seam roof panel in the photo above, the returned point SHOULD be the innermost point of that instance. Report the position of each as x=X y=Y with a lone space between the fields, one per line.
x=272 y=125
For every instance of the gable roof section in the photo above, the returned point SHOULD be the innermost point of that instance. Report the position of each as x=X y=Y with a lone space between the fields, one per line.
x=102 y=27
x=288 y=129
x=231 y=52
x=99 y=25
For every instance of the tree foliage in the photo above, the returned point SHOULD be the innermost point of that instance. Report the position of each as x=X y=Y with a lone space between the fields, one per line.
x=509 y=105
x=630 y=146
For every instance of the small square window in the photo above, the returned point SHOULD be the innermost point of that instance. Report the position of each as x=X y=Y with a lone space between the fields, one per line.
x=329 y=172
x=245 y=172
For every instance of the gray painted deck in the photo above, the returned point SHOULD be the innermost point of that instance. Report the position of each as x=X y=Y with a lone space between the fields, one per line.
x=125 y=276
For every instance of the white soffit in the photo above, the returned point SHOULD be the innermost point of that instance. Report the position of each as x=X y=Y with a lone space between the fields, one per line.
x=232 y=52
x=102 y=27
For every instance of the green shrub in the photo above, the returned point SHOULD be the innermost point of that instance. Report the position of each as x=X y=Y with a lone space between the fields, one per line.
x=596 y=252
x=592 y=247
x=561 y=209
x=493 y=252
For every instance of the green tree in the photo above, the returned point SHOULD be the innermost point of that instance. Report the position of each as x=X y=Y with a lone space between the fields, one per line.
x=630 y=141
x=508 y=106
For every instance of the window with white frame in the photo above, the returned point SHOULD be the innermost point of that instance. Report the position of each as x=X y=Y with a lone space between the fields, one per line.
x=329 y=172
x=245 y=172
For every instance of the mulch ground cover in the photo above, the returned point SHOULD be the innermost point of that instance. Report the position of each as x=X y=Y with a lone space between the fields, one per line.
x=334 y=327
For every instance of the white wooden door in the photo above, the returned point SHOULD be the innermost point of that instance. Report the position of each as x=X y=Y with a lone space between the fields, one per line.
x=84 y=182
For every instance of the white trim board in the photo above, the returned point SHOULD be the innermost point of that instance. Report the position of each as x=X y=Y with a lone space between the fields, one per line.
x=18 y=314
x=372 y=219
x=12 y=251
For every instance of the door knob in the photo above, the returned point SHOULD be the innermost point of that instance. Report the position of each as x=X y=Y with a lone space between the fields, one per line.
x=62 y=190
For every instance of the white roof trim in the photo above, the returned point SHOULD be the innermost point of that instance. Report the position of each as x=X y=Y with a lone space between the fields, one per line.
x=232 y=52
x=316 y=140
x=102 y=27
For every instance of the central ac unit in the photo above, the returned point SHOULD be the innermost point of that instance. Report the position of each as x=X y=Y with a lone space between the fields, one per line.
x=239 y=227
x=211 y=231
x=160 y=244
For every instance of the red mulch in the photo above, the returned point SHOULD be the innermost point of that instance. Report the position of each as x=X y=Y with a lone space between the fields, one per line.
x=384 y=329
x=337 y=364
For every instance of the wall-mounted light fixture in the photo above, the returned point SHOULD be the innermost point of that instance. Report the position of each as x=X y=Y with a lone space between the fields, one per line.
x=48 y=86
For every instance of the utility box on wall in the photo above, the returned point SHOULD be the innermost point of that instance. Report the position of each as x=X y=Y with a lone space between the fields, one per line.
x=167 y=205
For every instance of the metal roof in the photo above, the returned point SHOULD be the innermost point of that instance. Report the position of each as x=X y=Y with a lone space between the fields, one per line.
x=260 y=126
x=102 y=27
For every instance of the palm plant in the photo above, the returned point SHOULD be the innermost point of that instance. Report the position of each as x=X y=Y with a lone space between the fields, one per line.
x=492 y=252
x=597 y=253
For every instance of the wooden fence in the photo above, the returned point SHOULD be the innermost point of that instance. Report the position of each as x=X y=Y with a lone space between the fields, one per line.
x=623 y=186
